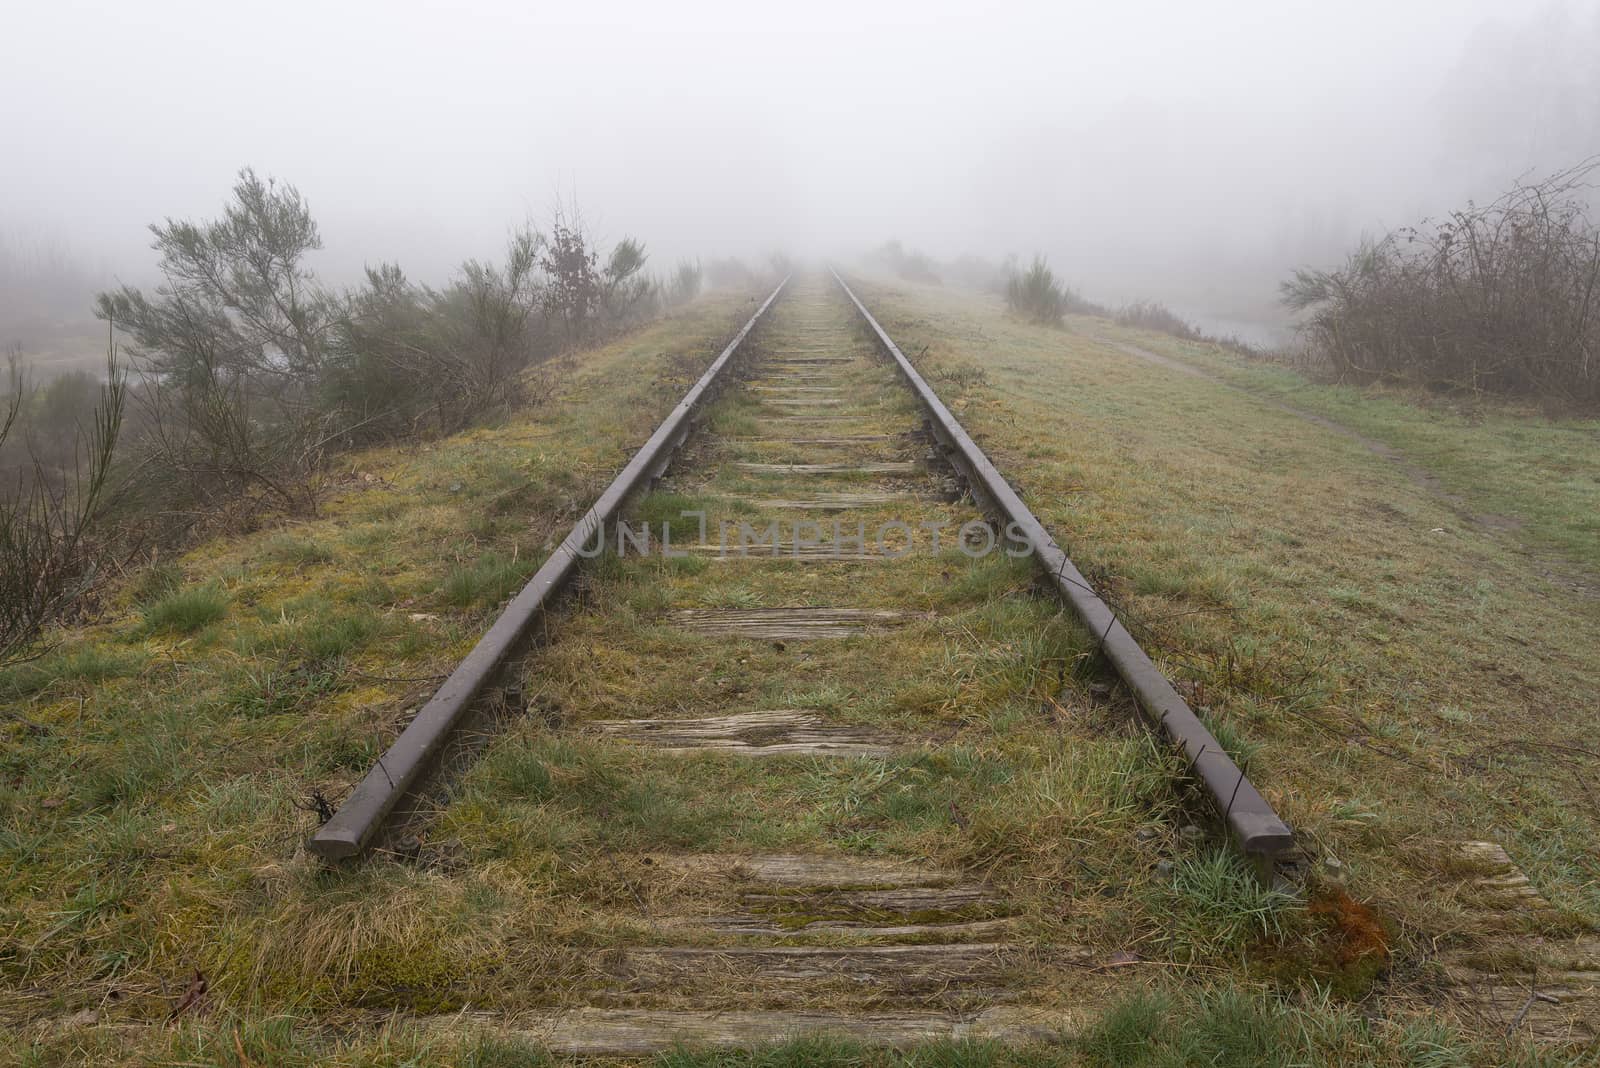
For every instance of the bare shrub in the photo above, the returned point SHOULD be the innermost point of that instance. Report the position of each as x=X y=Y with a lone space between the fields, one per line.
x=1503 y=298
x=408 y=360
x=50 y=514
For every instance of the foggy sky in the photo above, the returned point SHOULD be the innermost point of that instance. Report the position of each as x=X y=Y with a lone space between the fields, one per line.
x=1152 y=149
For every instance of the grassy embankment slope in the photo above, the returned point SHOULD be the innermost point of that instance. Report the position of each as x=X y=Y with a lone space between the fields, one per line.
x=156 y=758
x=153 y=761
x=1393 y=619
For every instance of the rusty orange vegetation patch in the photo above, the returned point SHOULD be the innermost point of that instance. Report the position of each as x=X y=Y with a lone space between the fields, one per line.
x=1344 y=947
x=1355 y=930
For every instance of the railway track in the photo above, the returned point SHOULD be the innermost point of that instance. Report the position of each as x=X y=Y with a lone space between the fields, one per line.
x=786 y=742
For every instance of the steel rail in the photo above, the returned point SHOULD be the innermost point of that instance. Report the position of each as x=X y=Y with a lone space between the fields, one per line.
x=408 y=759
x=1254 y=824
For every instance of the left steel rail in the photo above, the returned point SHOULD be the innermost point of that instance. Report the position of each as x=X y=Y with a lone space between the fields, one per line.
x=409 y=759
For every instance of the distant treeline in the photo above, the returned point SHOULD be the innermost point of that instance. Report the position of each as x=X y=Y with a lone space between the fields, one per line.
x=241 y=373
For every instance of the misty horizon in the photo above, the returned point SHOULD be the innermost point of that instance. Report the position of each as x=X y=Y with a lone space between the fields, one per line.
x=1180 y=156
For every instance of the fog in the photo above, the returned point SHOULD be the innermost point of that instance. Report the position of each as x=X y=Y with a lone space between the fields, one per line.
x=1159 y=150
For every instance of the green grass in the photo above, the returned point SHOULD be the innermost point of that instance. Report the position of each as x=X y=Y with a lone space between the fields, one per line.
x=1501 y=460
x=187 y=610
x=279 y=691
x=665 y=510
x=1220 y=908
x=1159 y=1029
x=77 y=666
x=154 y=788
x=486 y=581
x=1396 y=673
x=296 y=551
x=1233 y=1027
x=155 y=582
x=155 y=792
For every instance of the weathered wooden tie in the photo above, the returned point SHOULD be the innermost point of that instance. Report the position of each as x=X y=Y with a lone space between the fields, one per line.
x=836 y=501
x=883 y=467
x=778 y=732
x=787 y=623
x=640 y=1032
x=1545 y=987
x=802 y=553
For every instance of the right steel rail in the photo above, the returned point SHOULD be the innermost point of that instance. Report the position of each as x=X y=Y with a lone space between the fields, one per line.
x=1252 y=821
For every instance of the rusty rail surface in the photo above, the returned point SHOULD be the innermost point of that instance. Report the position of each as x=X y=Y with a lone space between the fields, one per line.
x=399 y=770
x=1251 y=819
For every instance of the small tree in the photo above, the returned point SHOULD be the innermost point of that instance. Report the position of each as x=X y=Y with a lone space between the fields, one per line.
x=380 y=373
x=238 y=298
x=233 y=343
x=573 y=292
